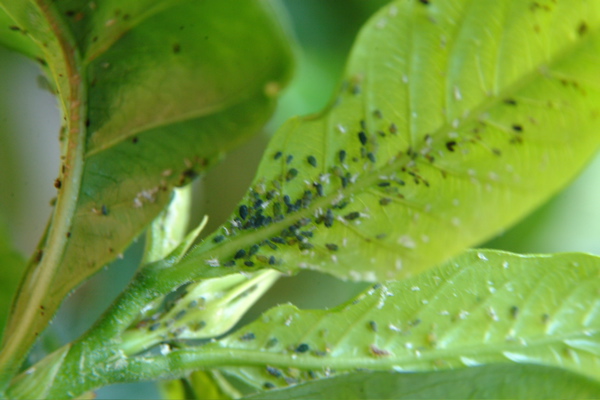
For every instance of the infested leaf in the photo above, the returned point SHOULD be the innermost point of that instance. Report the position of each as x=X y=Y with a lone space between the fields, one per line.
x=453 y=121
x=152 y=94
x=484 y=307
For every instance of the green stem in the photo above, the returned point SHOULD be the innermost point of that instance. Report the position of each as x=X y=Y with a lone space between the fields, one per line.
x=30 y=314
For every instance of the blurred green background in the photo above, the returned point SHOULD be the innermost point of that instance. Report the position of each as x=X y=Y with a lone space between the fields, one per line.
x=324 y=32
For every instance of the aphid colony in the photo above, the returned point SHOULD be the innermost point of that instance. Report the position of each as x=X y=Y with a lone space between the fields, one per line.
x=327 y=191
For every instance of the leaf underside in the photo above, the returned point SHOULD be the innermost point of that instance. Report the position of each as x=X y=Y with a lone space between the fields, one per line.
x=454 y=119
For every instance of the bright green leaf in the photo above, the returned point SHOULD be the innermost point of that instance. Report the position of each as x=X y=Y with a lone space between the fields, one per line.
x=485 y=382
x=482 y=308
x=12 y=36
x=152 y=94
x=454 y=120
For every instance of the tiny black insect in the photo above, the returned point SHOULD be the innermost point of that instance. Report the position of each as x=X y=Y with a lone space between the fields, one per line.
x=331 y=246
x=302 y=348
x=240 y=254
x=291 y=174
x=312 y=160
x=247 y=337
x=243 y=211
x=253 y=250
x=352 y=216
x=362 y=137
x=342 y=155
x=319 y=189
x=218 y=238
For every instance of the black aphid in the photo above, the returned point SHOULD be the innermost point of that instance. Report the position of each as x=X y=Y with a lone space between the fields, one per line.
x=393 y=128
x=291 y=174
x=302 y=348
x=272 y=260
x=277 y=155
x=342 y=155
x=450 y=145
x=218 y=238
x=362 y=137
x=289 y=159
x=331 y=246
x=371 y=157
x=243 y=211
x=352 y=216
x=253 y=250
x=373 y=326
x=277 y=239
x=104 y=209
x=329 y=218
x=305 y=246
x=268 y=385
x=383 y=184
x=241 y=253
x=180 y=315
x=312 y=160
x=344 y=181
x=247 y=337
x=229 y=263
x=274 y=371
x=271 y=245
x=517 y=128
x=377 y=114
x=248 y=263
x=319 y=189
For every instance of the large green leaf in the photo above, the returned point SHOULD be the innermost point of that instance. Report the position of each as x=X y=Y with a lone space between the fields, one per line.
x=485 y=382
x=152 y=93
x=455 y=118
x=482 y=308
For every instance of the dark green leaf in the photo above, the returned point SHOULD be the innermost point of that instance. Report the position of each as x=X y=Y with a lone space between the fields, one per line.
x=152 y=94
x=499 y=381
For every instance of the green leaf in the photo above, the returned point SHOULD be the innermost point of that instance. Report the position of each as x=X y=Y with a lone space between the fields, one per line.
x=12 y=36
x=482 y=308
x=455 y=119
x=152 y=94
x=12 y=265
x=199 y=385
x=485 y=382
